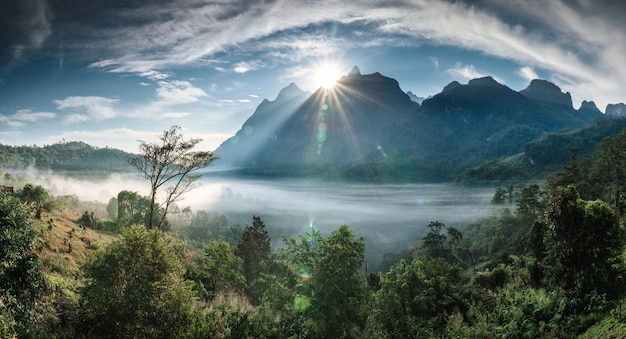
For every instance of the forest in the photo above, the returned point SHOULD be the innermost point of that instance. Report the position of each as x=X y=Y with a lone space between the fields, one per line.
x=549 y=264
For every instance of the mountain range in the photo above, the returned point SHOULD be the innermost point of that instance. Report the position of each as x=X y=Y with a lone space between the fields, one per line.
x=366 y=127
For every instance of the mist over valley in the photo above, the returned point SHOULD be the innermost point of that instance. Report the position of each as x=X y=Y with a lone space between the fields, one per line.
x=388 y=216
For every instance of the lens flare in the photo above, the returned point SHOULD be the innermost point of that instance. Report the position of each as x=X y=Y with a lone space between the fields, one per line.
x=326 y=75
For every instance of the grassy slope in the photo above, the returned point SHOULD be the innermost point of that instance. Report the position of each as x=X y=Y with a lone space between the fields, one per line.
x=612 y=326
x=61 y=268
x=54 y=231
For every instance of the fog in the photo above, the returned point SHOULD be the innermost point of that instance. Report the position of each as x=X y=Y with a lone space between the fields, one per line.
x=87 y=188
x=388 y=216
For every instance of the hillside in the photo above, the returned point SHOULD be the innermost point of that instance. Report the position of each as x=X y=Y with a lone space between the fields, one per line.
x=56 y=230
x=65 y=157
x=545 y=154
x=60 y=262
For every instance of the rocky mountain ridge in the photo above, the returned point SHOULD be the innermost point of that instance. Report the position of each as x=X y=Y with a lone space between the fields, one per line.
x=366 y=126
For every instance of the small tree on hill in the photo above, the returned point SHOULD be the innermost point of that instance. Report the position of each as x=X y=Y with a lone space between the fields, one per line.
x=172 y=161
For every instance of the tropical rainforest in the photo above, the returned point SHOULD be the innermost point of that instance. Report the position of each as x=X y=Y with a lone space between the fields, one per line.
x=549 y=264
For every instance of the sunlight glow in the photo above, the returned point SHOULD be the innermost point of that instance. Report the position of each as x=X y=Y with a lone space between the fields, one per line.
x=326 y=74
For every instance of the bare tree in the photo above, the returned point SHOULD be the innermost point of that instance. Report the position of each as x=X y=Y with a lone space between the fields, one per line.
x=172 y=162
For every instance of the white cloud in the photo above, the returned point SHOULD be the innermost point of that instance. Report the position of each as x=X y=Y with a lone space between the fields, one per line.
x=231 y=101
x=178 y=92
x=154 y=75
x=527 y=73
x=84 y=108
x=467 y=72
x=174 y=115
x=30 y=116
x=435 y=62
x=75 y=118
x=242 y=67
x=24 y=116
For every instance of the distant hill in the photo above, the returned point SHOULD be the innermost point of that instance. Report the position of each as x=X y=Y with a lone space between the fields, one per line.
x=66 y=156
x=368 y=128
x=546 y=154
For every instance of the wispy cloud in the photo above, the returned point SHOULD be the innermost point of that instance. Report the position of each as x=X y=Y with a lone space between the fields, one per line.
x=579 y=43
x=31 y=20
x=24 y=116
x=527 y=73
x=231 y=101
x=466 y=72
x=169 y=95
x=154 y=75
x=435 y=62
x=84 y=108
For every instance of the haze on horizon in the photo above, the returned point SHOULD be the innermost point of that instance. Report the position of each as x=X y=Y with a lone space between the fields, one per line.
x=111 y=72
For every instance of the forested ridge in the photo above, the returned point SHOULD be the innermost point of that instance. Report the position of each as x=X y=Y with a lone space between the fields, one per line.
x=65 y=156
x=549 y=264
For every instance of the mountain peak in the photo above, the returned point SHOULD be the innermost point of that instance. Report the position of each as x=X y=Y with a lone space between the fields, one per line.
x=415 y=98
x=290 y=91
x=617 y=110
x=545 y=91
x=354 y=72
x=484 y=81
x=589 y=106
x=452 y=85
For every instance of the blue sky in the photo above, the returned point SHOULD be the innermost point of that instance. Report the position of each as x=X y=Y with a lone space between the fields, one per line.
x=111 y=72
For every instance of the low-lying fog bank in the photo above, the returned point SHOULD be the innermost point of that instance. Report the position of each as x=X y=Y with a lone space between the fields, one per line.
x=388 y=216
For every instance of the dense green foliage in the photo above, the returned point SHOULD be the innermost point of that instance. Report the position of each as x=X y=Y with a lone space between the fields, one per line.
x=21 y=282
x=414 y=299
x=584 y=241
x=548 y=152
x=134 y=289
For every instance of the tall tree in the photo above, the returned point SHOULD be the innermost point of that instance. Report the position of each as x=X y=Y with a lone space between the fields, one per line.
x=434 y=240
x=172 y=161
x=584 y=241
x=221 y=269
x=338 y=286
x=609 y=159
x=254 y=249
x=530 y=201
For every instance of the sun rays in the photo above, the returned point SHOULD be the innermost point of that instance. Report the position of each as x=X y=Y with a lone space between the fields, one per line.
x=326 y=74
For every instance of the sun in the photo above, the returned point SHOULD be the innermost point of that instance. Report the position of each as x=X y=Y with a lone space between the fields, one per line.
x=326 y=74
